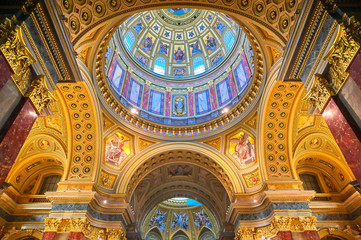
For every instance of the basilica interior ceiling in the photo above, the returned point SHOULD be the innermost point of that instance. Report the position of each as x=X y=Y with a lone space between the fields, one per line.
x=179 y=124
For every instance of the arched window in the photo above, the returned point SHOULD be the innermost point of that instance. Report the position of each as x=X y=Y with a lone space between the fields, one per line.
x=129 y=40
x=50 y=184
x=310 y=182
x=228 y=39
x=198 y=65
x=160 y=65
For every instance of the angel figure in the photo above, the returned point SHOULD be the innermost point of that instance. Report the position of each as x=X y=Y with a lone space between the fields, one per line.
x=114 y=150
x=243 y=151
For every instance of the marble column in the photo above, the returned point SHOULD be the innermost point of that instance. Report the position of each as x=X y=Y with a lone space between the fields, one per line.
x=76 y=236
x=284 y=235
x=168 y=100
x=345 y=137
x=5 y=71
x=355 y=70
x=49 y=236
x=312 y=235
x=15 y=137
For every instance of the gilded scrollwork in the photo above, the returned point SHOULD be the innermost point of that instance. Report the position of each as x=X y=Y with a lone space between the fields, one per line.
x=18 y=55
x=319 y=93
x=245 y=233
x=39 y=94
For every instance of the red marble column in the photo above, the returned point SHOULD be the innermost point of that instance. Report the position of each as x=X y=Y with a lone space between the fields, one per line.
x=5 y=71
x=145 y=97
x=355 y=70
x=312 y=235
x=284 y=235
x=168 y=102
x=49 y=236
x=15 y=137
x=212 y=91
x=191 y=103
x=76 y=236
x=345 y=137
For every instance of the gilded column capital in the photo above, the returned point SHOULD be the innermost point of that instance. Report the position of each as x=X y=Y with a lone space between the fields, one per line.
x=17 y=54
x=319 y=93
x=78 y=224
x=52 y=224
x=245 y=233
x=308 y=223
x=40 y=95
x=115 y=234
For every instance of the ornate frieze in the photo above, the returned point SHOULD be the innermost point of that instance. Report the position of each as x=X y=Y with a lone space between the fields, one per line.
x=245 y=233
x=83 y=225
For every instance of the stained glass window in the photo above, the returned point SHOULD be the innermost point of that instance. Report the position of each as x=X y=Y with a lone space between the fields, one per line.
x=228 y=39
x=160 y=65
x=129 y=40
x=198 y=65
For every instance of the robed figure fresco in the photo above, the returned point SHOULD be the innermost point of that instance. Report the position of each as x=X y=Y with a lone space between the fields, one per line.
x=180 y=220
x=202 y=219
x=243 y=149
x=158 y=220
x=114 y=150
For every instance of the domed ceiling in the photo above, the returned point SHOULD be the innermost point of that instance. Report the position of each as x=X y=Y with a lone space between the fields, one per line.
x=179 y=66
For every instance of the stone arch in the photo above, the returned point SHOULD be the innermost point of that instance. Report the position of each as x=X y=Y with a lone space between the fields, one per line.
x=204 y=231
x=334 y=232
x=223 y=170
x=155 y=231
x=180 y=232
x=24 y=234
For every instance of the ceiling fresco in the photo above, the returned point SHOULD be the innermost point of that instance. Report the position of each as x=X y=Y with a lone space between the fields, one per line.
x=192 y=65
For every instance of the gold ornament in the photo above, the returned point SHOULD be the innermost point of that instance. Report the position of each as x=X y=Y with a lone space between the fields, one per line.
x=40 y=96
x=52 y=224
x=245 y=233
x=319 y=93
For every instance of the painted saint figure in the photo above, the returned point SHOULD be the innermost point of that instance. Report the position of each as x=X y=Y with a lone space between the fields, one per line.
x=179 y=55
x=114 y=152
x=202 y=219
x=158 y=220
x=148 y=44
x=163 y=48
x=244 y=151
x=179 y=108
x=211 y=43
x=195 y=48
x=180 y=220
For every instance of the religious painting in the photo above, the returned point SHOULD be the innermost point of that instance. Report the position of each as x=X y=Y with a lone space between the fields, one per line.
x=211 y=43
x=179 y=55
x=202 y=219
x=158 y=220
x=180 y=220
x=138 y=27
x=242 y=149
x=242 y=73
x=195 y=48
x=179 y=71
x=163 y=48
x=147 y=43
x=116 y=74
x=179 y=105
x=220 y=27
x=156 y=102
x=117 y=149
x=203 y=103
x=224 y=92
x=180 y=170
x=142 y=60
x=218 y=58
x=135 y=92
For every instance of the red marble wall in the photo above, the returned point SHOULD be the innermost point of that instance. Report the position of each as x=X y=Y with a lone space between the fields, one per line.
x=284 y=235
x=312 y=235
x=355 y=70
x=49 y=236
x=345 y=137
x=76 y=236
x=5 y=71
x=15 y=138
